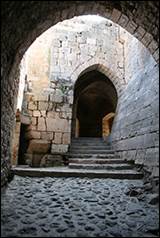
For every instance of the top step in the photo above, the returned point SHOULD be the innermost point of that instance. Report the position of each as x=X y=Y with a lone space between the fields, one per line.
x=88 y=141
x=88 y=138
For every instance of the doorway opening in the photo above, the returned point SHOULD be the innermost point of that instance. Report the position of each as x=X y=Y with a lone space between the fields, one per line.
x=23 y=144
x=95 y=101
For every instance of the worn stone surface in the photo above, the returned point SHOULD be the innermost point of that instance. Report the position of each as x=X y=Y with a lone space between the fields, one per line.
x=49 y=160
x=59 y=148
x=74 y=207
x=30 y=25
x=64 y=57
x=38 y=146
x=55 y=125
x=41 y=124
x=135 y=130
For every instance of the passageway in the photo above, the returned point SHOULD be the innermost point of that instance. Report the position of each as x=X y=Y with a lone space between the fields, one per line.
x=74 y=206
x=95 y=97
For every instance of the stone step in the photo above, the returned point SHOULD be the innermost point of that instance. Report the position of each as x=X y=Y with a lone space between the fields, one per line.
x=97 y=161
x=81 y=151
x=100 y=166
x=88 y=138
x=89 y=147
x=68 y=172
x=89 y=143
x=93 y=156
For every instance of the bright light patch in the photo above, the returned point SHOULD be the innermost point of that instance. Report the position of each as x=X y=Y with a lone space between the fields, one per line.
x=92 y=18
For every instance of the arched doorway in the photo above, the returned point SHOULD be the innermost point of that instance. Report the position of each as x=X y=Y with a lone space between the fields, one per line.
x=95 y=99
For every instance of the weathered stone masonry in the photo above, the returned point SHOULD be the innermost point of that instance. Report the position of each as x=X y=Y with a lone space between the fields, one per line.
x=54 y=63
x=139 y=18
x=120 y=57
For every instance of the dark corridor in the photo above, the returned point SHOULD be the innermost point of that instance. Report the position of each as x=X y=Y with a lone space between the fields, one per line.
x=95 y=96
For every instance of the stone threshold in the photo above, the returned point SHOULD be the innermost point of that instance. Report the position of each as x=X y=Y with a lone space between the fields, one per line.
x=68 y=172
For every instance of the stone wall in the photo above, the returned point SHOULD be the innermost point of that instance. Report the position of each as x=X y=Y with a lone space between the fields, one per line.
x=135 y=132
x=81 y=41
x=141 y=20
x=49 y=131
x=62 y=54
x=53 y=65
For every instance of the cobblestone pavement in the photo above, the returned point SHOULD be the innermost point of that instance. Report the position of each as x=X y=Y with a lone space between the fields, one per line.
x=77 y=207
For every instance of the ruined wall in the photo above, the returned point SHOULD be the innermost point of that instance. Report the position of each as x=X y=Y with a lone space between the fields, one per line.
x=70 y=48
x=135 y=130
x=141 y=20
x=53 y=65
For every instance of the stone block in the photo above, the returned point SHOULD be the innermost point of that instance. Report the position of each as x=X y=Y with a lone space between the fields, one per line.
x=60 y=149
x=140 y=157
x=152 y=157
x=115 y=15
x=36 y=113
x=48 y=91
x=41 y=124
x=66 y=115
x=29 y=96
x=123 y=20
x=70 y=99
x=47 y=135
x=57 y=138
x=38 y=146
x=30 y=112
x=34 y=121
x=43 y=106
x=43 y=113
x=156 y=55
x=58 y=125
x=57 y=97
x=66 y=108
x=25 y=119
x=139 y=33
x=31 y=128
x=131 y=155
x=40 y=97
x=151 y=140
x=153 y=46
x=32 y=105
x=51 y=160
x=66 y=138
x=147 y=38
x=36 y=159
x=33 y=135
x=51 y=114
x=135 y=142
x=131 y=27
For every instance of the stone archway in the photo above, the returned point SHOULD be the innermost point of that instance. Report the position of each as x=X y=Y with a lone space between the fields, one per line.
x=39 y=16
x=94 y=97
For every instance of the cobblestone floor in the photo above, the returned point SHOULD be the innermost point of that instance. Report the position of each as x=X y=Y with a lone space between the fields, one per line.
x=76 y=207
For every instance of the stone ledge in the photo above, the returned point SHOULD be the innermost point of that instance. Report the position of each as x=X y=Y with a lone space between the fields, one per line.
x=66 y=172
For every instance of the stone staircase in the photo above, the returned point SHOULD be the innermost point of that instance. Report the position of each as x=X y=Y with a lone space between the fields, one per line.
x=95 y=154
x=87 y=157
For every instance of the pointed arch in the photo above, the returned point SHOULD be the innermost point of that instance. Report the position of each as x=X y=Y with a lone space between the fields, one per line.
x=99 y=65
